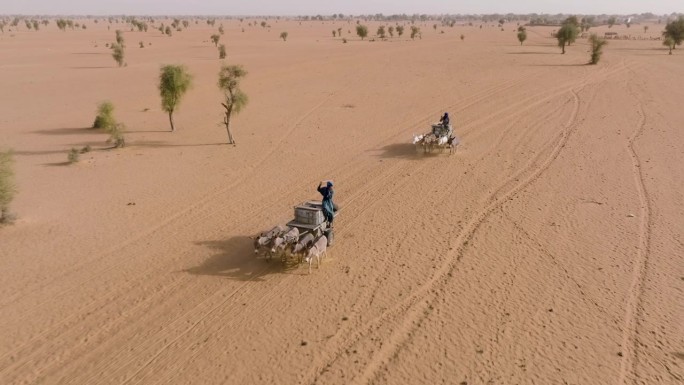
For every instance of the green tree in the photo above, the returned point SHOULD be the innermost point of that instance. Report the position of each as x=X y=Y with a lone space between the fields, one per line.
x=174 y=82
x=669 y=43
x=215 y=39
x=283 y=35
x=7 y=187
x=566 y=35
x=118 y=53
x=381 y=32
x=522 y=34
x=597 y=44
x=362 y=31
x=222 y=51
x=234 y=98
x=611 y=21
x=675 y=31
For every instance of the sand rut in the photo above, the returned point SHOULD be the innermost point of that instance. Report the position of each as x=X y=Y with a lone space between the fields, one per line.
x=630 y=342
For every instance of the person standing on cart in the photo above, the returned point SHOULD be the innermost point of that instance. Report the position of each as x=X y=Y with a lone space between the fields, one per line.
x=328 y=206
x=444 y=120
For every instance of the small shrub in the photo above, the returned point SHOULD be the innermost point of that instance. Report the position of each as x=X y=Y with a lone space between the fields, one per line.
x=167 y=30
x=344 y=40
x=118 y=54
x=381 y=32
x=215 y=39
x=220 y=29
x=142 y=45
x=222 y=51
x=116 y=136
x=400 y=30
x=7 y=187
x=462 y=37
x=119 y=38
x=73 y=155
x=597 y=44
x=362 y=31
x=85 y=149
x=283 y=35
x=334 y=33
x=105 y=115
x=415 y=31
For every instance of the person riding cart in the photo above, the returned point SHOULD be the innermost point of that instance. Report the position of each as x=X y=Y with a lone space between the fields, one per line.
x=328 y=206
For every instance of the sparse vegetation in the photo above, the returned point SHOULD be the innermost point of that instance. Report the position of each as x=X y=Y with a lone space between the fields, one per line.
x=522 y=34
x=118 y=53
x=567 y=33
x=73 y=155
x=381 y=32
x=283 y=35
x=105 y=115
x=415 y=31
x=7 y=187
x=669 y=43
x=234 y=98
x=220 y=29
x=168 y=31
x=597 y=44
x=174 y=82
x=362 y=31
x=400 y=30
x=215 y=39
x=675 y=31
x=222 y=51
x=390 y=30
x=119 y=38
x=116 y=136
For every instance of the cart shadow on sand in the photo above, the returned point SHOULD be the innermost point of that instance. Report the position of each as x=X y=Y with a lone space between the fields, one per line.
x=234 y=258
x=405 y=151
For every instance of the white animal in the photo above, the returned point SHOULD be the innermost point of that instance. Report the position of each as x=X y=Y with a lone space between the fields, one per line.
x=265 y=238
x=289 y=238
x=318 y=250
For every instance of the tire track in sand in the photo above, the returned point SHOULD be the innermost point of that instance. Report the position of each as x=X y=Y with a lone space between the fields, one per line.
x=419 y=305
x=633 y=307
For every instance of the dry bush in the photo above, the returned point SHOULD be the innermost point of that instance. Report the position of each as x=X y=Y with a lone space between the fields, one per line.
x=7 y=187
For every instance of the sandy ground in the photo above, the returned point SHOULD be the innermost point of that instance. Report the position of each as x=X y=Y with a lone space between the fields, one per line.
x=547 y=250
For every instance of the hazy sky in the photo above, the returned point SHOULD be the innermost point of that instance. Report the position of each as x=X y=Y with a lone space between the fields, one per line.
x=328 y=7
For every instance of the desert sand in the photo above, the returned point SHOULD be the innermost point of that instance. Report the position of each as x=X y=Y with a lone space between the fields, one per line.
x=547 y=250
